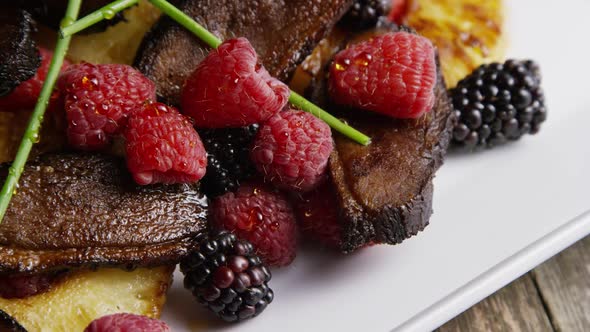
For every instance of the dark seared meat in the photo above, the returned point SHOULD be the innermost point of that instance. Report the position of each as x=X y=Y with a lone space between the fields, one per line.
x=384 y=190
x=9 y=324
x=51 y=12
x=76 y=210
x=19 y=57
x=282 y=32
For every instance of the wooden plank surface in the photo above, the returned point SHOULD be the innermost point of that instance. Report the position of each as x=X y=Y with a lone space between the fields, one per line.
x=553 y=297
x=516 y=307
x=564 y=284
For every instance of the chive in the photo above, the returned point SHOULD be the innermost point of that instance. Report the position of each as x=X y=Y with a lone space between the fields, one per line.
x=294 y=98
x=105 y=13
x=187 y=22
x=32 y=131
x=214 y=42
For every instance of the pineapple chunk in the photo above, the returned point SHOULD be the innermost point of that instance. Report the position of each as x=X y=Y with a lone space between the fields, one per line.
x=86 y=295
x=467 y=33
x=119 y=43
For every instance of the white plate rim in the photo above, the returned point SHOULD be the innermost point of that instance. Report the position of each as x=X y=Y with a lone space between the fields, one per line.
x=499 y=276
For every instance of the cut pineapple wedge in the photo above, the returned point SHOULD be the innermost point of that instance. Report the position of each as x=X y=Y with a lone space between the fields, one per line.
x=468 y=33
x=86 y=295
x=119 y=43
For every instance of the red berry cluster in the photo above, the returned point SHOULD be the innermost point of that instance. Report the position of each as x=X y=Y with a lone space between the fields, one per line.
x=102 y=102
x=99 y=99
x=230 y=88
x=393 y=74
x=112 y=100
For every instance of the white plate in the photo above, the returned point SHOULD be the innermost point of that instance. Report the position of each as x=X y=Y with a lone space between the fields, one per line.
x=497 y=214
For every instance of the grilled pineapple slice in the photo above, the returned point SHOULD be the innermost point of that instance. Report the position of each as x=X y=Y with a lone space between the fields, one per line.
x=468 y=33
x=119 y=43
x=86 y=295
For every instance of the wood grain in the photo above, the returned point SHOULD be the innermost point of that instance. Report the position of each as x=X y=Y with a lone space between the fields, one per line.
x=564 y=284
x=516 y=307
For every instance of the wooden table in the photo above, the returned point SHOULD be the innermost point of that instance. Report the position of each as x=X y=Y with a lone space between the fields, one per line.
x=553 y=297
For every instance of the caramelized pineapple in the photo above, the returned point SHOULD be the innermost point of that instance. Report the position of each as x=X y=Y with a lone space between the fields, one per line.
x=119 y=43
x=82 y=296
x=468 y=33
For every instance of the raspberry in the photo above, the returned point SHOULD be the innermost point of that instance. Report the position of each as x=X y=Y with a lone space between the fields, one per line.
x=292 y=150
x=261 y=216
x=317 y=216
x=98 y=100
x=22 y=286
x=24 y=96
x=228 y=161
x=230 y=88
x=393 y=74
x=163 y=147
x=227 y=277
x=398 y=10
x=126 y=323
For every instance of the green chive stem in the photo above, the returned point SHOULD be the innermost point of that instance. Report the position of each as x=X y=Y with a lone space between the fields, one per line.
x=328 y=118
x=105 y=13
x=295 y=99
x=32 y=131
x=187 y=22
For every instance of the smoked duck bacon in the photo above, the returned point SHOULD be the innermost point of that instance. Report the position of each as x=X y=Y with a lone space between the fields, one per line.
x=384 y=190
x=282 y=32
x=19 y=57
x=81 y=210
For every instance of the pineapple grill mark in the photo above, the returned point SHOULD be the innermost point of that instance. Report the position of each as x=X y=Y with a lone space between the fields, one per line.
x=467 y=33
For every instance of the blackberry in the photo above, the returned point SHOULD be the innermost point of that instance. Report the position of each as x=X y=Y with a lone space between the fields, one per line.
x=228 y=159
x=497 y=103
x=365 y=13
x=227 y=277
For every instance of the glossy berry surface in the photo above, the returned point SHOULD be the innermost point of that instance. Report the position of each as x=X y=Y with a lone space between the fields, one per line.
x=99 y=99
x=162 y=146
x=228 y=158
x=365 y=13
x=127 y=323
x=393 y=74
x=261 y=216
x=24 y=97
x=230 y=88
x=226 y=276
x=498 y=103
x=292 y=150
